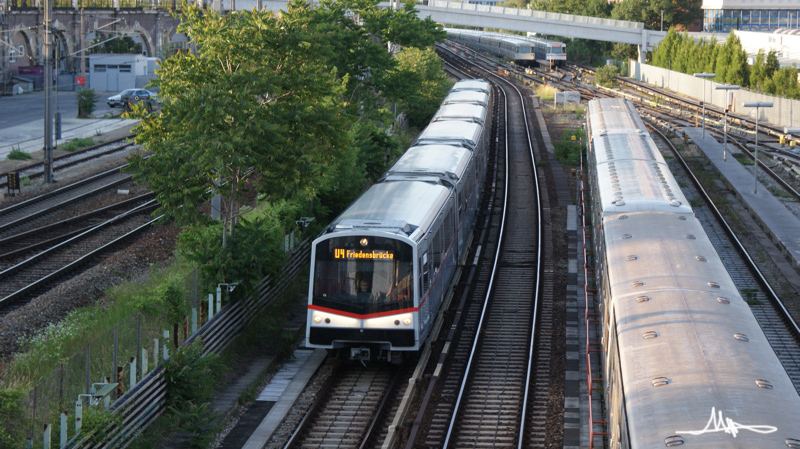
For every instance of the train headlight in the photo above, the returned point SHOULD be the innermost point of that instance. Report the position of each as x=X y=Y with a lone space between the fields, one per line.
x=317 y=319
x=407 y=321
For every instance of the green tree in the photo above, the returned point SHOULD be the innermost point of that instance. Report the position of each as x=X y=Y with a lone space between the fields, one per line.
x=120 y=45
x=732 y=67
x=421 y=84
x=785 y=82
x=254 y=99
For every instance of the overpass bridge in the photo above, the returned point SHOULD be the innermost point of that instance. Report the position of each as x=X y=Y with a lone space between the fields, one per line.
x=150 y=23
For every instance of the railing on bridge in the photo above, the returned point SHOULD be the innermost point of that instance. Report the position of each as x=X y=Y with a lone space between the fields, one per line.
x=92 y=4
x=542 y=15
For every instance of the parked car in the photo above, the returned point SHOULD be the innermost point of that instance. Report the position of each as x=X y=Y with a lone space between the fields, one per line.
x=132 y=96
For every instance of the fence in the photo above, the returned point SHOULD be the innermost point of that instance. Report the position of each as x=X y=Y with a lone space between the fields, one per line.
x=129 y=355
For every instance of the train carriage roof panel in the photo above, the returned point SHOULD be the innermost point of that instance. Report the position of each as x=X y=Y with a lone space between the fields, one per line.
x=467 y=97
x=477 y=85
x=613 y=115
x=445 y=161
x=636 y=185
x=682 y=350
x=451 y=132
x=465 y=112
x=408 y=207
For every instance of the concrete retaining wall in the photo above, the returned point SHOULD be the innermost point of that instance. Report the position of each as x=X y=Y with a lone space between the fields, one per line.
x=784 y=112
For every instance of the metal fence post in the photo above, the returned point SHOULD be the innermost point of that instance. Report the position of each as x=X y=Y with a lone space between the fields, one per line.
x=116 y=347
x=166 y=345
x=210 y=306
x=46 y=442
x=144 y=362
x=155 y=351
x=133 y=372
x=88 y=369
x=63 y=440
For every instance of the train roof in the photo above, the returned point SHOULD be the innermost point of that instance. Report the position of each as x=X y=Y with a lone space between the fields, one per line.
x=689 y=345
x=632 y=175
x=451 y=132
x=467 y=97
x=614 y=115
x=431 y=163
x=469 y=112
x=403 y=208
x=478 y=85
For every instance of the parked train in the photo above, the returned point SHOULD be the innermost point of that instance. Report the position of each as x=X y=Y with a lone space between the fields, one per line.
x=380 y=271
x=686 y=363
x=523 y=50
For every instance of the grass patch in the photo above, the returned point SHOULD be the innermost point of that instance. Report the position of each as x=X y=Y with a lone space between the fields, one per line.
x=743 y=159
x=18 y=155
x=545 y=93
x=76 y=144
x=778 y=192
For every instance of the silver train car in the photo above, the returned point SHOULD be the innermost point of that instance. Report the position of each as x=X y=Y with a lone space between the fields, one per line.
x=509 y=46
x=379 y=271
x=685 y=361
x=523 y=50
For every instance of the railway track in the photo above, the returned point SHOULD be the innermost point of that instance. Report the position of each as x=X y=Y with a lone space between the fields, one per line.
x=60 y=163
x=350 y=404
x=45 y=208
x=484 y=383
x=781 y=330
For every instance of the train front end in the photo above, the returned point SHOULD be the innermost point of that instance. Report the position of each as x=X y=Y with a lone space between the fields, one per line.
x=361 y=295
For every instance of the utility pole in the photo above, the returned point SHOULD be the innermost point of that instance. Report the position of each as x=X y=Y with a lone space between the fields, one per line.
x=83 y=52
x=48 y=100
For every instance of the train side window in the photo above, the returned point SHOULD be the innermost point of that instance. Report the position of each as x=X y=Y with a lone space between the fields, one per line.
x=437 y=249
x=424 y=278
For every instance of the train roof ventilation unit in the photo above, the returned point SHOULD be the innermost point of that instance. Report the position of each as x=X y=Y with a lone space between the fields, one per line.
x=626 y=236
x=713 y=284
x=673 y=440
x=792 y=443
x=701 y=259
x=632 y=258
x=764 y=384
x=660 y=381
x=741 y=337
x=649 y=334
x=643 y=298
x=723 y=300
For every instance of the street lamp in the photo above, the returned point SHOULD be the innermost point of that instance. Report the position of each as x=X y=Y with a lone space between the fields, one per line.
x=729 y=89
x=704 y=75
x=757 y=105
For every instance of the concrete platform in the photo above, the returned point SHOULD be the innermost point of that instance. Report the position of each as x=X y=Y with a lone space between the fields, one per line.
x=282 y=392
x=780 y=224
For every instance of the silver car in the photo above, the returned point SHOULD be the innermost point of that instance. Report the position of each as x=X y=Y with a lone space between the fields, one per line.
x=132 y=96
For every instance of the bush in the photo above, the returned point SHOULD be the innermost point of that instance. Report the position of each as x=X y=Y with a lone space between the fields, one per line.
x=190 y=377
x=86 y=102
x=96 y=420
x=12 y=416
x=198 y=420
x=604 y=76
x=18 y=155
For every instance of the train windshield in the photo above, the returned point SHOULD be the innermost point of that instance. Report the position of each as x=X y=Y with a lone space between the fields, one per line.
x=523 y=49
x=363 y=275
x=555 y=50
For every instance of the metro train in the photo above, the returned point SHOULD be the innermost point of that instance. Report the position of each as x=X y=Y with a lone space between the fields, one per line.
x=523 y=50
x=685 y=361
x=380 y=271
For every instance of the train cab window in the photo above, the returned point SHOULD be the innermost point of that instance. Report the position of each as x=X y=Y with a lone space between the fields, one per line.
x=363 y=274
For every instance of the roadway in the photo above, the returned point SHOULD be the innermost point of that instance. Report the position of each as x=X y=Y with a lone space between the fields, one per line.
x=22 y=120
